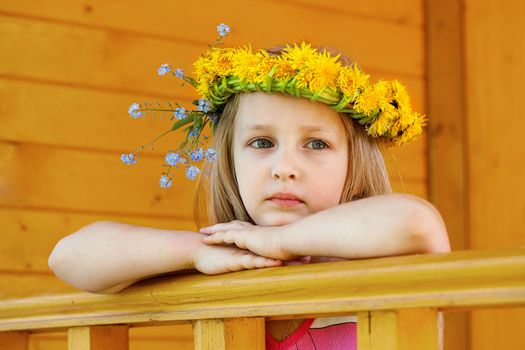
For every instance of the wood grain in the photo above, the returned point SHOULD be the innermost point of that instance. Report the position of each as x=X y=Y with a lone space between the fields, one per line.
x=74 y=67
x=14 y=340
x=495 y=59
x=334 y=28
x=98 y=338
x=447 y=138
x=465 y=279
x=70 y=179
x=30 y=235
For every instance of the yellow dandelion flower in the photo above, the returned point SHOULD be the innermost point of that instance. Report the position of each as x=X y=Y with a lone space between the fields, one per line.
x=351 y=80
x=400 y=95
x=384 y=89
x=264 y=66
x=299 y=56
x=201 y=66
x=284 y=68
x=381 y=125
x=221 y=62
x=406 y=132
x=367 y=101
x=303 y=77
x=376 y=96
x=411 y=132
x=203 y=87
x=209 y=67
x=323 y=72
x=203 y=75
x=246 y=64
x=406 y=118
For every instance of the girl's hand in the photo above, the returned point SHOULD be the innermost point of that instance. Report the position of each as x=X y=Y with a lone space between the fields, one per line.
x=265 y=241
x=217 y=259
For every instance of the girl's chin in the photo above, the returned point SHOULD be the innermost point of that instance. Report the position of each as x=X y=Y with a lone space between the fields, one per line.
x=277 y=220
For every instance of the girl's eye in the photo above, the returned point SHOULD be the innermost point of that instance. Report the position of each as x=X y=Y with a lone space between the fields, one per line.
x=261 y=143
x=318 y=144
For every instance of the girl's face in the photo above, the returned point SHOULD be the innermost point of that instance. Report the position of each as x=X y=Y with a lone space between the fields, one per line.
x=288 y=147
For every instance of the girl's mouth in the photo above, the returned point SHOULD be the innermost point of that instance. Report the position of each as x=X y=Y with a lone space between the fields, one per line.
x=285 y=199
x=286 y=202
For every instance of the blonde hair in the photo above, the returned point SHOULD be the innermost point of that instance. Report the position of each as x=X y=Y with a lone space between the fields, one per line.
x=217 y=195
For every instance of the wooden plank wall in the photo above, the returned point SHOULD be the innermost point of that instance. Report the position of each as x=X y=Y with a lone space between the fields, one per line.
x=476 y=66
x=70 y=69
x=448 y=188
x=495 y=71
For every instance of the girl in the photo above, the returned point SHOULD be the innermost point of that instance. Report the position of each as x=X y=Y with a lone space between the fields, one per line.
x=295 y=180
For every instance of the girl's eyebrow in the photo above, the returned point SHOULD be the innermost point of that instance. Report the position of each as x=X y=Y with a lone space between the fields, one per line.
x=269 y=126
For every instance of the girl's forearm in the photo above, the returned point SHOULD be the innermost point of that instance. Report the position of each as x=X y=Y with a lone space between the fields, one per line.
x=385 y=225
x=107 y=256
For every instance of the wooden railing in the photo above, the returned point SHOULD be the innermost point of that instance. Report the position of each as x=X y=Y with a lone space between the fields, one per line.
x=391 y=298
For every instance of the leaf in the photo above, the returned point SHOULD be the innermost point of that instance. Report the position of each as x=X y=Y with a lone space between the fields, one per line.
x=180 y=123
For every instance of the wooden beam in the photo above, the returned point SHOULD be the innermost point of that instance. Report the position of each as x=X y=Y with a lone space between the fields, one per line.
x=459 y=280
x=229 y=334
x=409 y=329
x=14 y=340
x=98 y=337
x=447 y=141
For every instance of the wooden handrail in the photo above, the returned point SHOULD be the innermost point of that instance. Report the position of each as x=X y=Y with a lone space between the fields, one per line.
x=458 y=280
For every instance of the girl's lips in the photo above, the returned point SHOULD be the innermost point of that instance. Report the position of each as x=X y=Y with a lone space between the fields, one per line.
x=286 y=202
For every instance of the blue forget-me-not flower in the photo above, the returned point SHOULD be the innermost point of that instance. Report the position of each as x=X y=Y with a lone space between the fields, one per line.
x=133 y=110
x=179 y=73
x=192 y=172
x=223 y=29
x=204 y=105
x=165 y=182
x=197 y=155
x=210 y=154
x=128 y=158
x=173 y=158
x=163 y=69
x=180 y=113
x=189 y=155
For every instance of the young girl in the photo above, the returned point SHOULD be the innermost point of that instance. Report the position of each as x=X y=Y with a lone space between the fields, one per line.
x=295 y=180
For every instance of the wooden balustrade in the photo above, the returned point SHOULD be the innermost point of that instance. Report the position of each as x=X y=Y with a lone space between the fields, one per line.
x=391 y=297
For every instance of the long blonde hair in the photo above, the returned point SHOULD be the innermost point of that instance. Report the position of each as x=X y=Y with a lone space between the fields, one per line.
x=217 y=195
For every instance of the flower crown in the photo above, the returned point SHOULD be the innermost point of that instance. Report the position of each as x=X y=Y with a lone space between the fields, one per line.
x=382 y=108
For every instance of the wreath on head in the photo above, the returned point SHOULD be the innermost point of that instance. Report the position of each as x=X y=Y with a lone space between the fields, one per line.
x=382 y=108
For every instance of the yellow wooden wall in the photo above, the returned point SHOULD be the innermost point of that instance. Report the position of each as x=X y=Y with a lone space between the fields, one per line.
x=70 y=69
x=475 y=69
x=495 y=72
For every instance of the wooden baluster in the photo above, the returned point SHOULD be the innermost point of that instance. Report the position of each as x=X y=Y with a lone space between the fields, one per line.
x=14 y=340
x=98 y=338
x=229 y=334
x=404 y=329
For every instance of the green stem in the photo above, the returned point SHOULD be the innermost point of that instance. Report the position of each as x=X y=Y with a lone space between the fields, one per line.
x=159 y=110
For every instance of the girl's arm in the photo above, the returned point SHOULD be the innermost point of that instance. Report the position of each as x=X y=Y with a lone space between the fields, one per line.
x=393 y=224
x=107 y=256
x=384 y=225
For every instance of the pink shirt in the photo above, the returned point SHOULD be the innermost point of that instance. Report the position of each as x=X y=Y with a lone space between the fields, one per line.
x=324 y=333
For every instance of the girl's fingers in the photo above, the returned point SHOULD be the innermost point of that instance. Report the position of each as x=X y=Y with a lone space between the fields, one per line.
x=269 y=262
x=221 y=237
x=206 y=230
x=209 y=239
x=215 y=238
x=252 y=261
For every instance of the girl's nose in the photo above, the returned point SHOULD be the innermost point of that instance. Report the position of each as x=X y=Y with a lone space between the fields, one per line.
x=285 y=166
